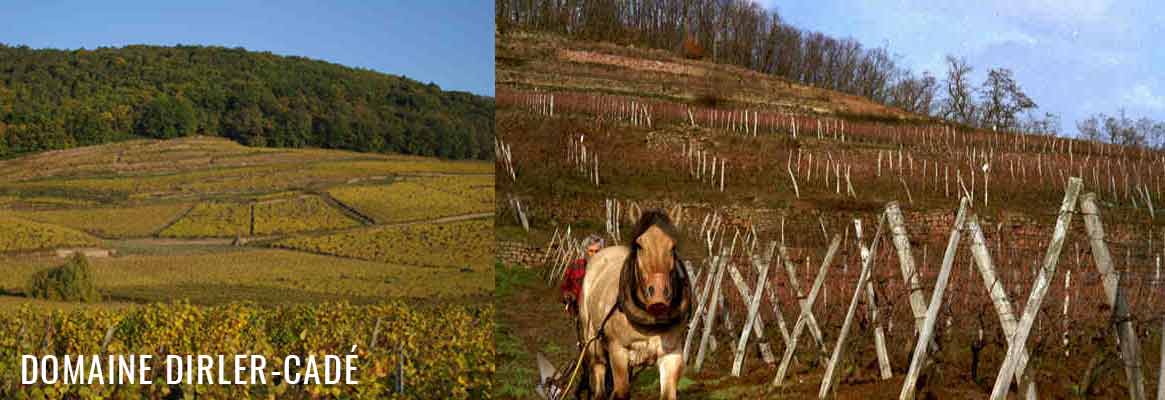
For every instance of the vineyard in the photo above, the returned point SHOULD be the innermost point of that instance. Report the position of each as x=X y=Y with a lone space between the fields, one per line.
x=201 y=167
x=22 y=235
x=272 y=216
x=760 y=174
x=195 y=218
x=476 y=188
x=412 y=244
x=182 y=257
x=443 y=352
x=300 y=214
x=114 y=222
x=212 y=275
x=212 y=220
x=415 y=200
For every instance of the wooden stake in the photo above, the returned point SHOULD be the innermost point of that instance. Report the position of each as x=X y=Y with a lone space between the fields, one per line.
x=702 y=302
x=906 y=261
x=1039 y=289
x=753 y=309
x=872 y=304
x=1129 y=343
x=806 y=314
x=814 y=328
x=710 y=317
x=998 y=294
x=838 y=348
x=936 y=301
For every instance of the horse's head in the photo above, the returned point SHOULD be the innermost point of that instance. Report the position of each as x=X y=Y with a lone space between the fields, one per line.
x=658 y=280
x=656 y=262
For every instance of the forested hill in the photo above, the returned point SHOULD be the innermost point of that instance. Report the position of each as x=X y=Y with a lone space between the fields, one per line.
x=52 y=99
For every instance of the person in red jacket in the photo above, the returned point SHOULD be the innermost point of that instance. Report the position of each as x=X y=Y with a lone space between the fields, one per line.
x=573 y=277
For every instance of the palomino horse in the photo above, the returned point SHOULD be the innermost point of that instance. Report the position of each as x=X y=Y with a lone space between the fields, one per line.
x=635 y=304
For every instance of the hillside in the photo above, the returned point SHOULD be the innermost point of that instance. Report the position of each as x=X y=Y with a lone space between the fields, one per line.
x=527 y=60
x=56 y=99
x=267 y=225
x=597 y=132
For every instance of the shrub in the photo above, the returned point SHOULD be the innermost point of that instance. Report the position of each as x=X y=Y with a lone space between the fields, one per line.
x=72 y=281
x=693 y=50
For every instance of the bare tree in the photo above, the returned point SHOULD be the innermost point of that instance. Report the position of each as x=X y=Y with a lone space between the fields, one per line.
x=1122 y=129
x=1003 y=100
x=1089 y=128
x=914 y=94
x=958 y=105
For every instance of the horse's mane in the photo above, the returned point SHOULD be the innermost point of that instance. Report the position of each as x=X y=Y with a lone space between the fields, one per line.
x=652 y=217
x=628 y=300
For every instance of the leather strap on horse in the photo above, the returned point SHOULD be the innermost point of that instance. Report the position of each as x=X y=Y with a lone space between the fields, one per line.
x=583 y=352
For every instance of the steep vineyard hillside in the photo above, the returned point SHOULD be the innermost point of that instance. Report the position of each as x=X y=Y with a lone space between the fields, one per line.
x=589 y=134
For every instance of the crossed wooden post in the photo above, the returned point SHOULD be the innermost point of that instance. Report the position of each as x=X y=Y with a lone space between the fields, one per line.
x=936 y=301
x=714 y=275
x=872 y=304
x=806 y=316
x=831 y=369
x=1017 y=331
x=1114 y=296
x=752 y=321
x=999 y=296
x=1043 y=281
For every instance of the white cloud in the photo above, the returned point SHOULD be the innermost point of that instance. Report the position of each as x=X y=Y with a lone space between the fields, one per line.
x=1142 y=96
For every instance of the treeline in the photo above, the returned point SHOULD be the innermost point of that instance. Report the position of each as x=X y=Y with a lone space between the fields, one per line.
x=737 y=32
x=742 y=33
x=1122 y=129
x=53 y=99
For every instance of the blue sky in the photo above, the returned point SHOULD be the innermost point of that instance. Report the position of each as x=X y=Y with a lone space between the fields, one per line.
x=446 y=42
x=1073 y=57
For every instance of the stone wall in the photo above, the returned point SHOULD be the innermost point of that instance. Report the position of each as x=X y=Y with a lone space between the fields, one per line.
x=802 y=224
x=518 y=253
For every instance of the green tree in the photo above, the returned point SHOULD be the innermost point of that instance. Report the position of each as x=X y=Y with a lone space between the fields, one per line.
x=72 y=281
x=167 y=117
x=69 y=98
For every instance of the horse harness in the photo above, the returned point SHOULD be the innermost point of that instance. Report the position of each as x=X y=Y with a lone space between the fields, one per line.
x=680 y=277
